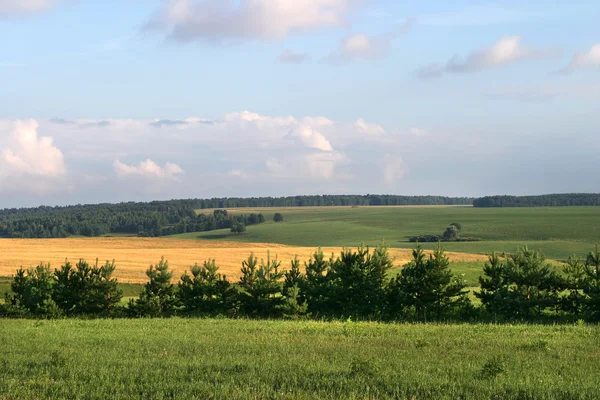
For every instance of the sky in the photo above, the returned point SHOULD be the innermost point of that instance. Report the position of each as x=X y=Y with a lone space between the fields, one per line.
x=135 y=100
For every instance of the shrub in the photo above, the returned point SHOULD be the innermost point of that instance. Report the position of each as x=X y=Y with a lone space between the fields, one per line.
x=278 y=217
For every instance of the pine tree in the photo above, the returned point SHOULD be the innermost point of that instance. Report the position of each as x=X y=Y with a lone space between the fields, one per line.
x=592 y=285
x=158 y=298
x=317 y=287
x=292 y=307
x=427 y=287
x=494 y=287
x=206 y=292
x=261 y=287
x=32 y=293
x=575 y=283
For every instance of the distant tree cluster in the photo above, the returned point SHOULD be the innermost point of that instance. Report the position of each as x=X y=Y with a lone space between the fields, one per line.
x=141 y=219
x=521 y=287
x=548 y=200
x=451 y=234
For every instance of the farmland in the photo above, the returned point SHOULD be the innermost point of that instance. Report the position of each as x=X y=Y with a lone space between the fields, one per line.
x=234 y=359
x=557 y=231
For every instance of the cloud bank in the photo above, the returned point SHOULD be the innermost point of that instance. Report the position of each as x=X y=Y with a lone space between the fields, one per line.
x=226 y=20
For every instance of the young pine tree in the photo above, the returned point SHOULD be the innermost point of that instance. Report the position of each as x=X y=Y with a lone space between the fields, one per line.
x=574 y=301
x=359 y=280
x=494 y=287
x=317 y=287
x=592 y=285
x=32 y=293
x=86 y=289
x=260 y=287
x=158 y=299
x=206 y=291
x=427 y=288
x=533 y=284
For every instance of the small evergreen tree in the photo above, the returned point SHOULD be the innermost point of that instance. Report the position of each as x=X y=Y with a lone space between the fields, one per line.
x=32 y=293
x=592 y=285
x=427 y=288
x=359 y=279
x=206 y=292
x=575 y=282
x=158 y=298
x=317 y=287
x=494 y=287
x=86 y=289
x=292 y=307
x=533 y=284
x=260 y=287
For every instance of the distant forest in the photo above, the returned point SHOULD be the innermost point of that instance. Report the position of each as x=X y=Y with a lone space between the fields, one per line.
x=162 y=218
x=547 y=200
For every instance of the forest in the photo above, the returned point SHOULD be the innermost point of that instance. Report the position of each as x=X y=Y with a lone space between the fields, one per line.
x=547 y=200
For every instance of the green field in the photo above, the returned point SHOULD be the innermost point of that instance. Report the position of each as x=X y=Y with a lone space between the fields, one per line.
x=557 y=231
x=229 y=359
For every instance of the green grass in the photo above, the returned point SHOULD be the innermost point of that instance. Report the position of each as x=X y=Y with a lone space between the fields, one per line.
x=235 y=359
x=556 y=231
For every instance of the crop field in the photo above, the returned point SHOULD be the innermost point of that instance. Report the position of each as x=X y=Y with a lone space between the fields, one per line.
x=235 y=359
x=557 y=231
x=134 y=255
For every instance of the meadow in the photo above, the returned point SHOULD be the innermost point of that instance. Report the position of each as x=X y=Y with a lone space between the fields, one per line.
x=557 y=231
x=235 y=359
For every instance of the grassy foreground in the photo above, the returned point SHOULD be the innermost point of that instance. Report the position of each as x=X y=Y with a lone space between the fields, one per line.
x=228 y=359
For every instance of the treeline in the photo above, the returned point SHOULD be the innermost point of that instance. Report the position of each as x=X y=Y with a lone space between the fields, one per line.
x=141 y=219
x=547 y=200
x=521 y=287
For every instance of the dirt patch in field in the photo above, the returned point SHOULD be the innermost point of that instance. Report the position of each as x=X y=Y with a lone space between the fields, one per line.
x=134 y=255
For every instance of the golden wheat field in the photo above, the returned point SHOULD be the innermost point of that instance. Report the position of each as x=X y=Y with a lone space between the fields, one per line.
x=134 y=255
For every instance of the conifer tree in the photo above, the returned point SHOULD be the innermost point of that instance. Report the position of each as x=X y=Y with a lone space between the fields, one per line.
x=206 y=291
x=158 y=298
x=494 y=287
x=32 y=293
x=261 y=287
x=317 y=287
x=592 y=285
x=575 y=283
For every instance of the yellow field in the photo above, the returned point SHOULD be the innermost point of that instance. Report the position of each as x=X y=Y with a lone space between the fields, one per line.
x=134 y=255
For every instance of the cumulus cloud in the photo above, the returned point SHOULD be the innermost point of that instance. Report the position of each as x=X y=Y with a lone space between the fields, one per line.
x=394 y=169
x=363 y=46
x=290 y=57
x=588 y=59
x=226 y=20
x=15 y=7
x=507 y=50
x=30 y=162
x=369 y=128
x=148 y=169
x=322 y=165
x=311 y=138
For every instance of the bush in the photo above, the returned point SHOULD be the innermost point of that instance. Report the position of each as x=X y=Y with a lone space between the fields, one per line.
x=278 y=217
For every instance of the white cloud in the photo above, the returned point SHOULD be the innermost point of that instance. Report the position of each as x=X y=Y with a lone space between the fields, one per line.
x=323 y=165
x=291 y=57
x=311 y=138
x=14 y=7
x=148 y=169
x=507 y=50
x=418 y=132
x=219 y=20
x=28 y=161
x=368 y=128
x=394 y=169
x=363 y=46
x=589 y=59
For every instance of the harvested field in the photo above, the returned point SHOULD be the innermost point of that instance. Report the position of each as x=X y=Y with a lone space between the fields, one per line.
x=134 y=255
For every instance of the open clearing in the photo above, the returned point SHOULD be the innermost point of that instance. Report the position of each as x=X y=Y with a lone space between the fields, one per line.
x=241 y=359
x=134 y=255
x=557 y=231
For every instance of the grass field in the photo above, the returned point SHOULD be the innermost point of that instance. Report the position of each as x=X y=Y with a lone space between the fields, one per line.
x=234 y=359
x=557 y=231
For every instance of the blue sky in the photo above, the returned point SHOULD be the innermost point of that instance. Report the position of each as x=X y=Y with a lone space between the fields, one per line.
x=282 y=97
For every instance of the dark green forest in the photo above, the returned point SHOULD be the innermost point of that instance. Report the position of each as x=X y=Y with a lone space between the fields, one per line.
x=547 y=200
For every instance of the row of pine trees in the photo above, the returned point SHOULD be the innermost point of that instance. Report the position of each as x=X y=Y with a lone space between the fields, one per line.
x=519 y=287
